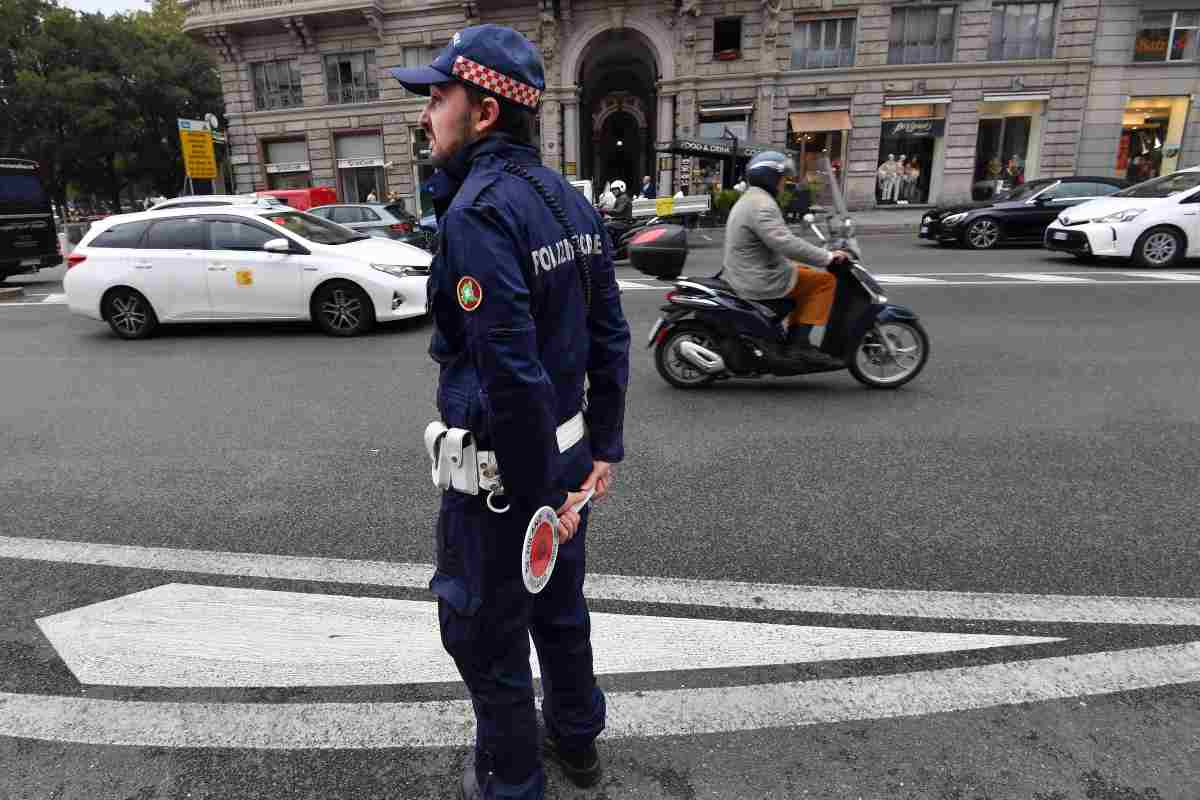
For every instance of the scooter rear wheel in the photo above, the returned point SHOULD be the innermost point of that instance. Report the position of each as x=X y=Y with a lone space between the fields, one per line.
x=672 y=366
x=874 y=366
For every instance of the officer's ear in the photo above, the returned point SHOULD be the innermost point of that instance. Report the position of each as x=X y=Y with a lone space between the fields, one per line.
x=489 y=115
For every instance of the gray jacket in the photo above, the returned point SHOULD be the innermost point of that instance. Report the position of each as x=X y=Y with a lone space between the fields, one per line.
x=759 y=248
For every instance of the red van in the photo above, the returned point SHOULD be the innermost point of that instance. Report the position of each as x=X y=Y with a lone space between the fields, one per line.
x=304 y=199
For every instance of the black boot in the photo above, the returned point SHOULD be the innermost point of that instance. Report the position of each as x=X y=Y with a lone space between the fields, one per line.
x=582 y=767
x=798 y=348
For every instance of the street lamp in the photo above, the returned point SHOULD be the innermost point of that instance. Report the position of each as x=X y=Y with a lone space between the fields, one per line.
x=728 y=134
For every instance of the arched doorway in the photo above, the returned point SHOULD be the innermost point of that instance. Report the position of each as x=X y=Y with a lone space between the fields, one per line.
x=618 y=75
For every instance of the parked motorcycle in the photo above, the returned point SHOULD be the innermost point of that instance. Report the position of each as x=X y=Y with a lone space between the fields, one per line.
x=708 y=333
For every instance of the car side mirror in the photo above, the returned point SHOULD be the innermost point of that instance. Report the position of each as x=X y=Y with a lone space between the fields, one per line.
x=1043 y=200
x=280 y=245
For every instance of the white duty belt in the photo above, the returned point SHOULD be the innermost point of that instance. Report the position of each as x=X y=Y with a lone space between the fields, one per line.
x=458 y=464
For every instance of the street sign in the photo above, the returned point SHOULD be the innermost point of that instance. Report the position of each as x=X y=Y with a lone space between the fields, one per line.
x=199 y=160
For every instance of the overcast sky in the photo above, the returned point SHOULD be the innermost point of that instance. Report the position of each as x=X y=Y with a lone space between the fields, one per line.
x=107 y=6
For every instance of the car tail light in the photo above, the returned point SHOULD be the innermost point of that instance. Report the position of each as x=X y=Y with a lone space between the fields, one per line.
x=75 y=259
x=401 y=227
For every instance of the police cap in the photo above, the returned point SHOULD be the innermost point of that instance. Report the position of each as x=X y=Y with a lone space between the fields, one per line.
x=492 y=57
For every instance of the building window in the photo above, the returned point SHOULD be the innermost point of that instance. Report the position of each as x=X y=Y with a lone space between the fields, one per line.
x=727 y=38
x=351 y=78
x=1167 y=36
x=921 y=35
x=277 y=84
x=1022 y=30
x=418 y=57
x=823 y=43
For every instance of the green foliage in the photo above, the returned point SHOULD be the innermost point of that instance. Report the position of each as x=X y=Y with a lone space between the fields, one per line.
x=95 y=98
x=724 y=200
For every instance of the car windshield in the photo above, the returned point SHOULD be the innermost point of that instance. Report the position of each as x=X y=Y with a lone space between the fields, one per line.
x=1027 y=190
x=314 y=229
x=1165 y=186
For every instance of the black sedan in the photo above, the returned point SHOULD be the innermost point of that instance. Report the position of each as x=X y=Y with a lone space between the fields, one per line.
x=1018 y=216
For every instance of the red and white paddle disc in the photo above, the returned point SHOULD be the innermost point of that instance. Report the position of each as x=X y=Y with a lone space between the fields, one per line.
x=540 y=551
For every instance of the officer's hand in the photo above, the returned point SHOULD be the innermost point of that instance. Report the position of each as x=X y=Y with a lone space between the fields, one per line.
x=601 y=477
x=568 y=520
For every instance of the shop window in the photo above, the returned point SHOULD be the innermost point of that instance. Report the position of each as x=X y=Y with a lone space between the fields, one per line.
x=1167 y=36
x=922 y=35
x=1000 y=155
x=351 y=78
x=823 y=43
x=727 y=38
x=908 y=149
x=1022 y=30
x=277 y=84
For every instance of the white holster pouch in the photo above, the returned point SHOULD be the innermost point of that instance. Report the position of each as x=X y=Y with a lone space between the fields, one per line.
x=458 y=464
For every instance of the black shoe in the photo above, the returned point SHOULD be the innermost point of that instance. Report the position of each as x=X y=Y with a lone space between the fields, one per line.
x=581 y=767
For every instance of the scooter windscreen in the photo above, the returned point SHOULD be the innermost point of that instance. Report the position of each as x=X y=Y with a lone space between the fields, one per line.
x=840 y=225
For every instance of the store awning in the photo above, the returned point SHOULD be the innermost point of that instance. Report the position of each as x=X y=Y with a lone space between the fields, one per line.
x=818 y=121
x=712 y=148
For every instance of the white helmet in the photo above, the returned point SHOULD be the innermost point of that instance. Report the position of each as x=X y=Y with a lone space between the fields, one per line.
x=618 y=186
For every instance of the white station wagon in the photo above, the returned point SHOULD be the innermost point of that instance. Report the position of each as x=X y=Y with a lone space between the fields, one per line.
x=1156 y=223
x=241 y=263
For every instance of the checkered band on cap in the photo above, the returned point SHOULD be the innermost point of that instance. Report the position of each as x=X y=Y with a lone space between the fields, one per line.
x=486 y=78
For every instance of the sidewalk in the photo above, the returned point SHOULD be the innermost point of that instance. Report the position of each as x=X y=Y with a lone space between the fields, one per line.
x=866 y=222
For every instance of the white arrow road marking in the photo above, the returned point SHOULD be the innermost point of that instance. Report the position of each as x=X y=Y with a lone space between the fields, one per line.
x=54 y=298
x=635 y=285
x=186 y=635
x=632 y=588
x=1041 y=277
x=905 y=279
x=649 y=713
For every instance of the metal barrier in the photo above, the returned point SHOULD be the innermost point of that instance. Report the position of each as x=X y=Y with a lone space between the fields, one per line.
x=672 y=207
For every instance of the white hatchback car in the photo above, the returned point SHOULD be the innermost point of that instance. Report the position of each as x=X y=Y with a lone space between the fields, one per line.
x=1156 y=223
x=236 y=263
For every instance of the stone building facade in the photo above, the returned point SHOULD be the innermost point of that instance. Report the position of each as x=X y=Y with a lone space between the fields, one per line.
x=975 y=95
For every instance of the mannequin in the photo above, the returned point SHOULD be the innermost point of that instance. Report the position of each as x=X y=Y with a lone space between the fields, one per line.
x=899 y=169
x=887 y=174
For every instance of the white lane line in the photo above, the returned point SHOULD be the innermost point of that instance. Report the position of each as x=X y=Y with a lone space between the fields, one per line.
x=1181 y=277
x=1040 y=277
x=642 y=714
x=54 y=298
x=185 y=635
x=669 y=591
x=635 y=285
x=906 y=279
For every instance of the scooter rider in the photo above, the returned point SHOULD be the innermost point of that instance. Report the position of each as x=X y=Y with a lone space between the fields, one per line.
x=622 y=209
x=759 y=251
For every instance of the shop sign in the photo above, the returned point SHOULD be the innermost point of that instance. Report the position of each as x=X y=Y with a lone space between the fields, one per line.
x=569 y=168
x=702 y=147
x=354 y=163
x=931 y=128
x=287 y=166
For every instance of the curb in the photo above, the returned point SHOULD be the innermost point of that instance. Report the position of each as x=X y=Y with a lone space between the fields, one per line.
x=11 y=292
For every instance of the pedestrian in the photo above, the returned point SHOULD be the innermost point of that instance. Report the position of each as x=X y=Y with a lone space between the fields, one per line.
x=648 y=190
x=371 y=198
x=527 y=313
x=608 y=198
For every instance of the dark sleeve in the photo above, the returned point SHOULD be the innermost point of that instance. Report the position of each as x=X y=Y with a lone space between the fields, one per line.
x=608 y=361
x=518 y=396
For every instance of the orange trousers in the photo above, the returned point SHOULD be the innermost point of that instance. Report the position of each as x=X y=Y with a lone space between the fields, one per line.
x=813 y=294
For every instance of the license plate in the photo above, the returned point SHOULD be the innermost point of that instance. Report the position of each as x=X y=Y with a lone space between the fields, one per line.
x=30 y=262
x=924 y=229
x=654 y=331
x=1060 y=234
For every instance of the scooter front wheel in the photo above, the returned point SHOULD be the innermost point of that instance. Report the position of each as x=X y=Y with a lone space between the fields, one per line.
x=673 y=367
x=890 y=364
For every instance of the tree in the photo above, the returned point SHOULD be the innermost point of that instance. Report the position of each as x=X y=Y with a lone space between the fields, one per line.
x=95 y=99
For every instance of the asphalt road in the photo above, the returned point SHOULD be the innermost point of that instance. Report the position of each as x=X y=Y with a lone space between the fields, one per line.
x=1048 y=448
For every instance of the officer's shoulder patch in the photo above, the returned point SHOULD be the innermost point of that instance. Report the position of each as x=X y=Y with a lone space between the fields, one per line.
x=469 y=292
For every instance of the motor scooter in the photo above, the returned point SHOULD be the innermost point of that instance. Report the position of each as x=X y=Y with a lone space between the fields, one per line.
x=708 y=332
x=621 y=233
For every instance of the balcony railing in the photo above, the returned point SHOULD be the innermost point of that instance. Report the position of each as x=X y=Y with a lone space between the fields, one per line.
x=203 y=13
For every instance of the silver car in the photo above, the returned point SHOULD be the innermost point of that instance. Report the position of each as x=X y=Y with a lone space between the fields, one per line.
x=374 y=219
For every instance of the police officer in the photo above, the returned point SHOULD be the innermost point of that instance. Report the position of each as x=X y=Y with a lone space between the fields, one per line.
x=526 y=307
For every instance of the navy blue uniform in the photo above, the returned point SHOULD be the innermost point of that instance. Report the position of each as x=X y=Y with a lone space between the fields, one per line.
x=515 y=349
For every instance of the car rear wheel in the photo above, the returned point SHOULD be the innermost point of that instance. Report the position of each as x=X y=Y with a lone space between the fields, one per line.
x=982 y=234
x=1159 y=248
x=343 y=309
x=128 y=313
